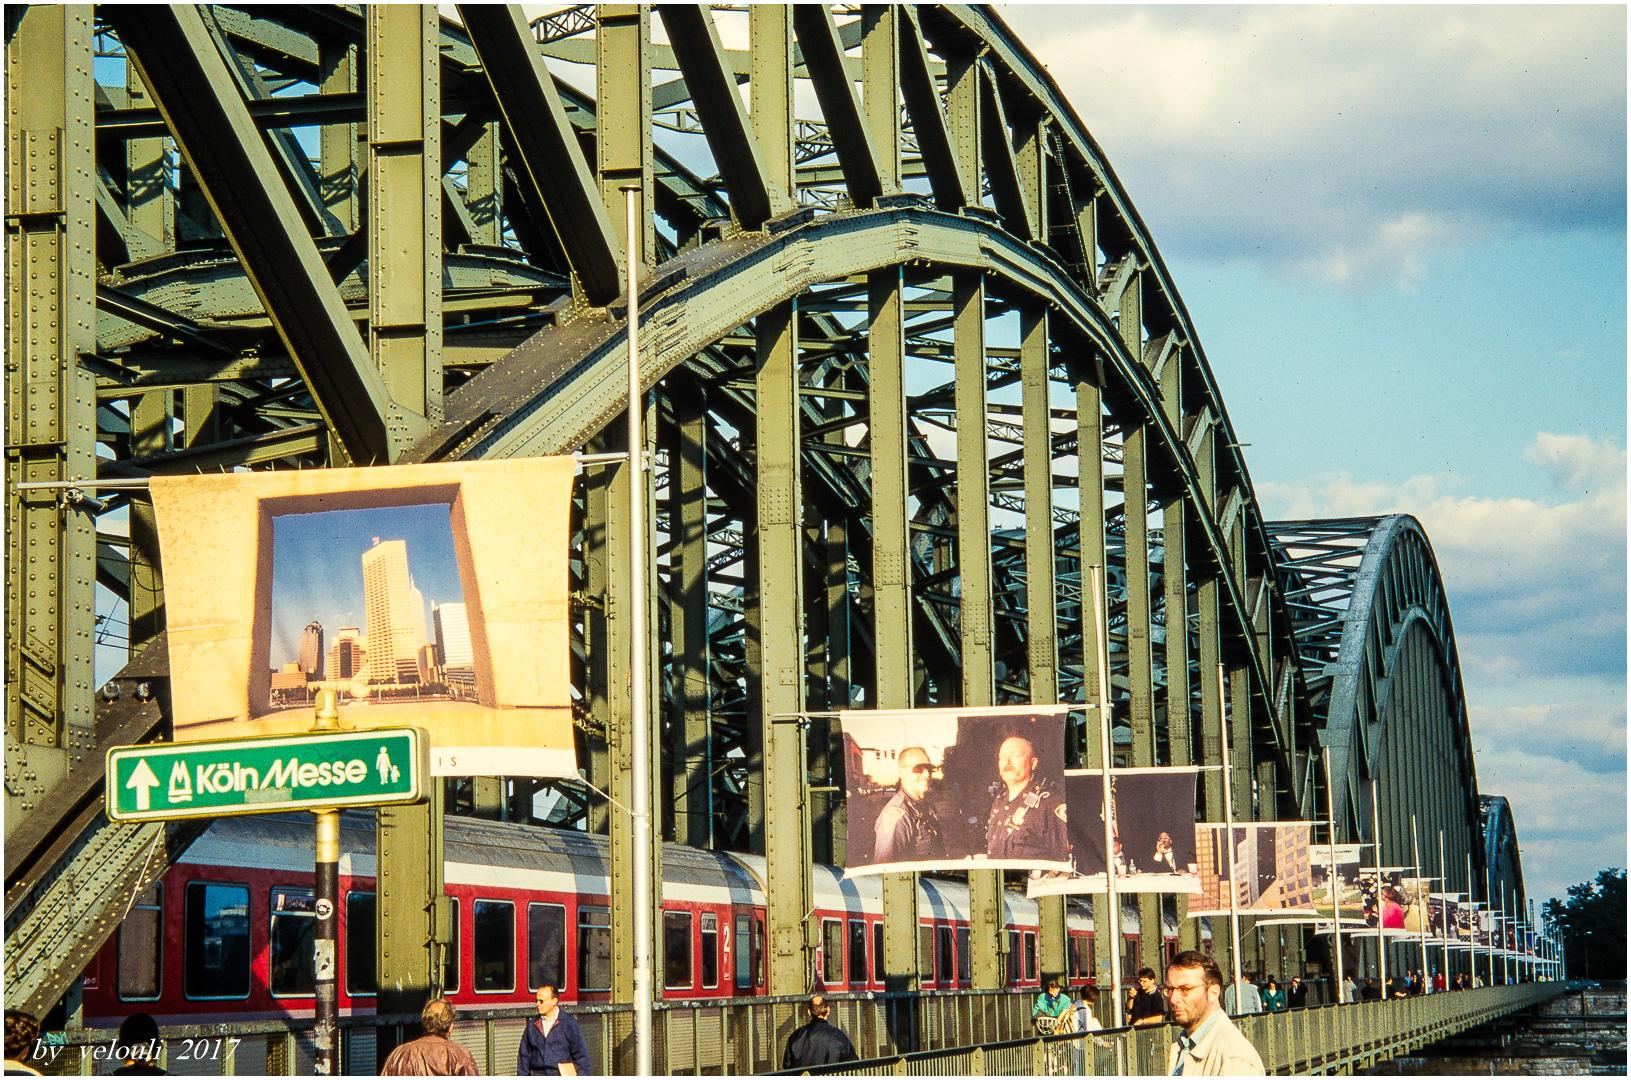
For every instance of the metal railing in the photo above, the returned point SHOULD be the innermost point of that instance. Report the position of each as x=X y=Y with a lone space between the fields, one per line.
x=720 y=1036
x=1326 y=1039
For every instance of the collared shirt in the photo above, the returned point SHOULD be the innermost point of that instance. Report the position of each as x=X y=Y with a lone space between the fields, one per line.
x=1187 y=1041
x=545 y=1023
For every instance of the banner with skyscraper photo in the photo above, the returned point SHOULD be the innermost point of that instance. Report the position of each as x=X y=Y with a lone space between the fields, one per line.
x=1273 y=870
x=426 y=595
x=1152 y=825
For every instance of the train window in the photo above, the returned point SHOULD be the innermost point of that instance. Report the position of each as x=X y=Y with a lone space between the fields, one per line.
x=594 y=948
x=140 y=947
x=710 y=951
x=450 y=955
x=1075 y=957
x=944 y=971
x=361 y=967
x=857 y=952
x=963 y=973
x=759 y=951
x=216 y=951
x=744 y=952
x=676 y=950
x=294 y=942
x=546 y=945
x=925 y=953
x=1013 y=958
x=492 y=945
x=832 y=952
x=877 y=951
x=1030 y=956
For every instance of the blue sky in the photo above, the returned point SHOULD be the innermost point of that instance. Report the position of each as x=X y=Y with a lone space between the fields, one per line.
x=317 y=568
x=1401 y=233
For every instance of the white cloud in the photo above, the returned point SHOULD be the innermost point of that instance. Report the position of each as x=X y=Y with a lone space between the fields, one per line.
x=1347 y=142
x=1537 y=590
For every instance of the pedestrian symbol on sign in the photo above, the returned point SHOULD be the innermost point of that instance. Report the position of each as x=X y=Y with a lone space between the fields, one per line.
x=387 y=772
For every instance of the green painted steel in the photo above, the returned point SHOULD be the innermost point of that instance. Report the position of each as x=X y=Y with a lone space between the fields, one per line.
x=488 y=188
x=170 y=781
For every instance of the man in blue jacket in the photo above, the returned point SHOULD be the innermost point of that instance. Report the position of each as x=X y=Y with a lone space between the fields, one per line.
x=553 y=1044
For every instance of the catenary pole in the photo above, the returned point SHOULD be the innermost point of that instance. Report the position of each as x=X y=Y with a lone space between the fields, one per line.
x=1381 y=931
x=1113 y=901
x=638 y=570
x=326 y=1030
x=1333 y=882
x=1229 y=838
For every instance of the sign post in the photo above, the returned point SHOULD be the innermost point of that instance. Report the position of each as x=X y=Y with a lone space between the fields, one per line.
x=322 y=771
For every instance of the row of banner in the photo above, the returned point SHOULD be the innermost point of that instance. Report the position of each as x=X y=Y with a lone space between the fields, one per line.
x=933 y=789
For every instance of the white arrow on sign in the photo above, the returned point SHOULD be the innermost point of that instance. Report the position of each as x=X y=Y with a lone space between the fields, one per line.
x=143 y=780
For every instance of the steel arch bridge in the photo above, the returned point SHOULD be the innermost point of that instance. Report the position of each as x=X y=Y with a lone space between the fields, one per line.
x=903 y=323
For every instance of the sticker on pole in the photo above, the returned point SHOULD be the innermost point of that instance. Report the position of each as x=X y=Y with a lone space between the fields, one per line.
x=163 y=781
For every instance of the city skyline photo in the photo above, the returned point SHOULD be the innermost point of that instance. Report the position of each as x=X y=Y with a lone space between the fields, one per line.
x=318 y=576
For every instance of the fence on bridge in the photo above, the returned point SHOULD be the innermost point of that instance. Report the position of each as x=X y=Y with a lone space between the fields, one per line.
x=1323 y=1040
x=980 y=1033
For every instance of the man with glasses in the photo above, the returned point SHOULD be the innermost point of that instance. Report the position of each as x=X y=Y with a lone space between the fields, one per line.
x=907 y=830
x=553 y=1044
x=1209 y=1044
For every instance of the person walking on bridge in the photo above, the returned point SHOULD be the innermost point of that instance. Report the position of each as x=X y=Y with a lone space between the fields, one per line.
x=1209 y=1043
x=818 y=1042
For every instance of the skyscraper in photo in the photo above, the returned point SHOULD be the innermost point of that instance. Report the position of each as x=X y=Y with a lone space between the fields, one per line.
x=394 y=631
x=453 y=646
x=347 y=658
x=311 y=650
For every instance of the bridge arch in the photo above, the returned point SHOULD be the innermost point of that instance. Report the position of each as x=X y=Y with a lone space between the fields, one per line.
x=828 y=531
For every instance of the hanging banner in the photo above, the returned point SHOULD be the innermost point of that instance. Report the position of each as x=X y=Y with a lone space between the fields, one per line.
x=430 y=596
x=956 y=789
x=1414 y=892
x=1340 y=880
x=1387 y=900
x=1272 y=869
x=1463 y=924
x=1152 y=815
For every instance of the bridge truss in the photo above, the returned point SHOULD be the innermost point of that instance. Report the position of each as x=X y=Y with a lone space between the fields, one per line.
x=903 y=325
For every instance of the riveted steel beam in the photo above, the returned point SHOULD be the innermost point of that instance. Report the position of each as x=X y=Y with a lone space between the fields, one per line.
x=623 y=147
x=775 y=652
x=891 y=579
x=917 y=85
x=195 y=92
x=546 y=145
x=755 y=196
x=770 y=48
x=974 y=573
x=405 y=206
x=50 y=403
x=1008 y=188
x=851 y=135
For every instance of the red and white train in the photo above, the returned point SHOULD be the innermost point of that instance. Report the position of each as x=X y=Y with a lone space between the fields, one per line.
x=226 y=933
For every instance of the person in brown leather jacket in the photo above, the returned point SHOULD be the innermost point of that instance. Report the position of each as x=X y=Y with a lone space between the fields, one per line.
x=433 y=1053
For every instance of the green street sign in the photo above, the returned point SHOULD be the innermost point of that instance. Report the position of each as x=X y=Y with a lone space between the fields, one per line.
x=164 y=781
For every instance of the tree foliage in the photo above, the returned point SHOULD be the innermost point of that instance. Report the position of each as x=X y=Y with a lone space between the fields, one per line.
x=1591 y=925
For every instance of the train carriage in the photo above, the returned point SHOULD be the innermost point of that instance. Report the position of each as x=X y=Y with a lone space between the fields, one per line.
x=227 y=931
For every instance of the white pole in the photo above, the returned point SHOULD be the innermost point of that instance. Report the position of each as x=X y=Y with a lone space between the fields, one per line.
x=1444 y=926
x=1476 y=919
x=1331 y=882
x=638 y=571
x=1415 y=857
x=1106 y=752
x=1489 y=910
x=1229 y=839
x=1376 y=835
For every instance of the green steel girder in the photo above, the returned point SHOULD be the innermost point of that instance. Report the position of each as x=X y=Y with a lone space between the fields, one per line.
x=201 y=104
x=546 y=145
